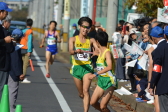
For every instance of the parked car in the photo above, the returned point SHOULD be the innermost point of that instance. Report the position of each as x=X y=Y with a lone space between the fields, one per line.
x=17 y=24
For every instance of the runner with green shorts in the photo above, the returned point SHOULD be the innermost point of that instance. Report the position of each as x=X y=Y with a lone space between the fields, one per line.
x=79 y=48
x=106 y=80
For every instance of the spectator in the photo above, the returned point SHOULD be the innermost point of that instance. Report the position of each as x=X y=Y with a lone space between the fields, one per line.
x=16 y=72
x=142 y=84
x=75 y=31
x=5 y=49
x=27 y=49
x=98 y=27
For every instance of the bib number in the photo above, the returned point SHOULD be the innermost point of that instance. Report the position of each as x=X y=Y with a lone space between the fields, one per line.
x=82 y=57
x=99 y=68
x=51 y=41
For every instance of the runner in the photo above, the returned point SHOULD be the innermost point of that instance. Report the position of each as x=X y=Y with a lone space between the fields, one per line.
x=106 y=80
x=81 y=69
x=51 y=50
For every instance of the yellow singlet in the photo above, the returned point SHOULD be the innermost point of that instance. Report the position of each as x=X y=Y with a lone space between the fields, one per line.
x=101 y=64
x=81 y=59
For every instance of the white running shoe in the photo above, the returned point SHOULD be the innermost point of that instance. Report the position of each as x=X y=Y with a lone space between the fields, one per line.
x=128 y=85
x=26 y=81
x=150 y=102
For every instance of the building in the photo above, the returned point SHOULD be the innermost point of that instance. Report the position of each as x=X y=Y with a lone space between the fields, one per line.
x=17 y=4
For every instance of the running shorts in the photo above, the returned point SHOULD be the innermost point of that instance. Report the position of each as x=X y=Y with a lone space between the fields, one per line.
x=104 y=82
x=78 y=71
x=52 y=49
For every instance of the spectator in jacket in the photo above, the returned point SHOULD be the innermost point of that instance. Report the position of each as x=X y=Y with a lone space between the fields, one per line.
x=5 y=49
x=16 y=72
x=76 y=31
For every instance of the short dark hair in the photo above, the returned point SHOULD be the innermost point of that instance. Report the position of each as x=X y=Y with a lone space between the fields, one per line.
x=53 y=22
x=85 y=19
x=140 y=73
x=29 y=22
x=102 y=38
x=121 y=22
x=119 y=28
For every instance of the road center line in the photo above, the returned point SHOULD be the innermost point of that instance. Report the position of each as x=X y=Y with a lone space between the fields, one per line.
x=53 y=86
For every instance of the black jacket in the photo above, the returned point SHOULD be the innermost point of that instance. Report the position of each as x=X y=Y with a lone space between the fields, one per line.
x=143 y=84
x=5 y=51
x=76 y=33
x=160 y=76
x=16 y=65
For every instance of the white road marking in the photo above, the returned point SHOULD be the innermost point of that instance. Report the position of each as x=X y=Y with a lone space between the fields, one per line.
x=53 y=86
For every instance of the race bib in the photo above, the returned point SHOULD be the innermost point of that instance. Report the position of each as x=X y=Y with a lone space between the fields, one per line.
x=82 y=57
x=51 y=41
x=100 y=67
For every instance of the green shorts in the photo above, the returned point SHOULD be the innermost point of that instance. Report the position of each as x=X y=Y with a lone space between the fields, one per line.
x=104 y=82
x=78 y=71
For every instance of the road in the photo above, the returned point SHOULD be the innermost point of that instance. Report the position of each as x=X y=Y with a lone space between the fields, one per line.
x=55 y=94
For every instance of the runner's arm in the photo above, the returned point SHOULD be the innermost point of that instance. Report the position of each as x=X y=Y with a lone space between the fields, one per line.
x=71 y=45
x=96 y=49
x=43 y=39
x=109 y=63
x=58 y=37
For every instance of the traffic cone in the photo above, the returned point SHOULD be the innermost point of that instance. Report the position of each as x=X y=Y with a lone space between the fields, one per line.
x=18 y=108
x=5 y=100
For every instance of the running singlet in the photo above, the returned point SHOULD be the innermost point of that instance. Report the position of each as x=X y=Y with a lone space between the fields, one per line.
x=101 y=64
x=81 y=59
x=51 y=39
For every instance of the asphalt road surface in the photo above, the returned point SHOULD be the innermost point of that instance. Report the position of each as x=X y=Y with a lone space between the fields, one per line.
x=55 y=94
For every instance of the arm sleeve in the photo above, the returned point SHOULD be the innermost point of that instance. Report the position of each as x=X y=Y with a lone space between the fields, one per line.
x=157 y=61
x=30 y=43
x=142 y=92
x=2 y=42
x=9 y=47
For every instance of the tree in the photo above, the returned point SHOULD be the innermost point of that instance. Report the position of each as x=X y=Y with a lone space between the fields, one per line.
x=148 y=7
x=19 y=15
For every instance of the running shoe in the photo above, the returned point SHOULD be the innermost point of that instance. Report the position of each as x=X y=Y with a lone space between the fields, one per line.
x=48 y=75
x=26 y=81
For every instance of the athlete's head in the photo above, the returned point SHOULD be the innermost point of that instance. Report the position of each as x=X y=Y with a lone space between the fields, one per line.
x=53 y=25
x=85 y=24
x=101 y=38
x=29 y=22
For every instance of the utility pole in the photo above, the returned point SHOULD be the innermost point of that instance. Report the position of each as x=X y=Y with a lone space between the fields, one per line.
x=112 y=17
x=47 y=12
x=94 y=12
x=59 y=16
x=20 y=7
x=90 y=8
x=66 y=24
x=51 y=15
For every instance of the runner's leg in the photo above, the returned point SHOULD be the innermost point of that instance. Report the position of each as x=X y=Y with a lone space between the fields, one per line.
x=97 y=94
x=106 y=98
x=79 y=85
x=52 y=59
x=48 y=55
x=86 y=85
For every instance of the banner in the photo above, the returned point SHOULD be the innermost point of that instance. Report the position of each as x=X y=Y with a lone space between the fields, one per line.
x=66 y=9
x=84 y=8
x=143 y=62
x=162 y=15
